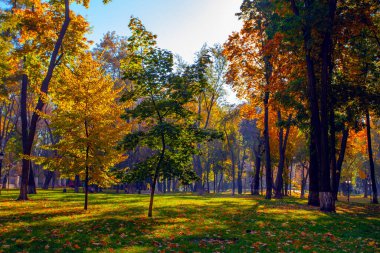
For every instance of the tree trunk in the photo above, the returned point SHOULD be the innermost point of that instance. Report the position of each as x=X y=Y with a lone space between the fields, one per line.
x=282 y=149
x=371 y=163
x=268 y=168
x=256 y=180
x=313 y=199
x=240 y=174
x=215 y=178
x=5 y=179
x=303 y=182
x=366 y=188
x=1 y=166
x=261 y=181
x=333 y=160
x=31 y=182
x=25 y=140
x=339 y=163
x=28 y=133
x=48 y=177
x=86 y=189
x=156 y=172
x=76 y=184
x=220 y=185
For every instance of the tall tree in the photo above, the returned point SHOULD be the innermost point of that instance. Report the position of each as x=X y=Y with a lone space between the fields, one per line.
x=87 y=123
x=33 y=25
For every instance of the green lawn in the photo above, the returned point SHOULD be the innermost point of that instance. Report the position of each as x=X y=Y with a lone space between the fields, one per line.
x=56 y=222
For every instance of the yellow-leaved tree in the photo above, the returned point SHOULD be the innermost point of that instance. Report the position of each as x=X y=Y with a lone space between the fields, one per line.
x=87 y=122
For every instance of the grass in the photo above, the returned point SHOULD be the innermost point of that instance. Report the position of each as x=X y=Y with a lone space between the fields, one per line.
x=53 y=221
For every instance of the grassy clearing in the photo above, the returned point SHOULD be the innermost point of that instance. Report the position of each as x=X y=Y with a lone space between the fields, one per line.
x=56 y=222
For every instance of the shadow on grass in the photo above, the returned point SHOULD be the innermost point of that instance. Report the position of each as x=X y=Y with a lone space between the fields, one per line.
x=183 y=223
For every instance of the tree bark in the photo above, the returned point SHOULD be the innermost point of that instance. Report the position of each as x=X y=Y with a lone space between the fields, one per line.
x=303 y=182
x=31 y=182
x=24 y=128
x=313 y=199
x=76 y=184
x=268 y=167
x=156 y=172
x=48 y=177
x=282 y=149
x=370 y=157
x=4 y=183
x=256 y=180
x=339 y=163
x=28 y=133
x=86 y=188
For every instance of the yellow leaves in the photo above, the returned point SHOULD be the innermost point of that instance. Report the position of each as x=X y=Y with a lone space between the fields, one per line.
x=372 y=243
x=87 y=117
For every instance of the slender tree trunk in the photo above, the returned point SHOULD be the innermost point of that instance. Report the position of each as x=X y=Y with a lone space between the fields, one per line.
x=28 y=133
x=339 y=163
x=86 y=189
x=256 y=180
x=303 y=182
x=371 y=163
x=215 y=178
x=1 y=166
x=156 y=172
x=262 y=182
x=240 y=174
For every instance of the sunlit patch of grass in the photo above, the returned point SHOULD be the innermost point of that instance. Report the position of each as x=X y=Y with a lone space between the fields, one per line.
x=56 y=222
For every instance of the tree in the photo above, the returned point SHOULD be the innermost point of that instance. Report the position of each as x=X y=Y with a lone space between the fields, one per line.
x=87 y=123
x=161 y=96
x=33 y=25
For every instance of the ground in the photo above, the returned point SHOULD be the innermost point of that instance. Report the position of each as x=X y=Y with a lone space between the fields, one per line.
x=53 y=221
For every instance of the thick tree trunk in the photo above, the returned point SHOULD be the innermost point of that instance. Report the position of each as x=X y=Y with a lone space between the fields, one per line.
x=268 y=167
x=220 y=185
x=313 y=199
x=48 y=177
x=76 y=184
x=366 y=188
x=333 y=161
x=325 y=189
x=25 y=140
x=28 y=133
x=282 y=150
x=240 y=182
x=371 y=163
x=31 y=182
x=5 y=179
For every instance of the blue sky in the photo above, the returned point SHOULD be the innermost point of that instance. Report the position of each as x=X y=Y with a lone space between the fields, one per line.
x=182 y=26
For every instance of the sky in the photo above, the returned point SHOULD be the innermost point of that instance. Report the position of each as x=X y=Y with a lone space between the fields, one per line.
x=182 y=26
